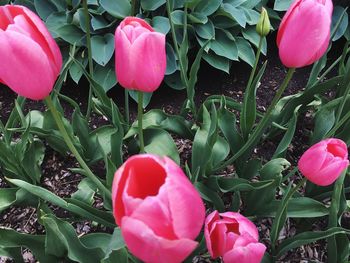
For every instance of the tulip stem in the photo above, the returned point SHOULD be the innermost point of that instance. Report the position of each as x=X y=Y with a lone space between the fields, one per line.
x=57 y=117
x=88 y=44
x=126 y=102
x=262 y=124
x=333 y=216
x=244 y=125
x=139 y=120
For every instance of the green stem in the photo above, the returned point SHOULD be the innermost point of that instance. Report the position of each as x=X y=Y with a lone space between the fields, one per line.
x=126 y=105
x=333 y=216
x=133 y=8
x=262 y=124
x=338 y=125
x=88 y=43
x=57 y=117
x=139 y=120
x=342 y=103
x=244 y=125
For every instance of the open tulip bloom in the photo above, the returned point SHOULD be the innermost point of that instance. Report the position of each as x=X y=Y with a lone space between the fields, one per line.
x=158 y=209
x=233 y=237
x=30 y=58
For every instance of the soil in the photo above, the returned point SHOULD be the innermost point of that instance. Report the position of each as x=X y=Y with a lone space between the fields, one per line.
x=56 y=169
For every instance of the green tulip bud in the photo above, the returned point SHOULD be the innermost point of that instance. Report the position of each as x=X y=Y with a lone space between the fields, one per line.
x=263 y=26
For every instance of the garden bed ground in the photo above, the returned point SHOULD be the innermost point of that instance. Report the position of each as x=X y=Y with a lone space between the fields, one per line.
x=57 y=177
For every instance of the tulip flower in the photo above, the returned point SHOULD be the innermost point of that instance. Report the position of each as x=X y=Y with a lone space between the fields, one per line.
x=159 y=211
x=324 y=162
x=140 y=57
x=304 y=33
x=30 y=58
x=233 y=237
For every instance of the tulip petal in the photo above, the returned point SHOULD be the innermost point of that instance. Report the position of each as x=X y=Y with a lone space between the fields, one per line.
x=144 y=244
x=186 y=206
x=329 y=174
x=252 y=253
x=245 y=225
x=312 y=160
x=309 y=22
x=24 y=67
x=148 y=58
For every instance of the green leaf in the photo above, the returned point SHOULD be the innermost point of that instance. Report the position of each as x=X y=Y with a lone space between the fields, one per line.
x=307 y=238
x=61 y=238
x=282 y=5
x=159 y=142
x=206 y=31
x=210 y=196
x=146 y=97
x=337 y=14
x=44 y=8
x=218 y=62
x=36 y=243
x=245 y=51
x=161 y=24
x=207 y=7
x=171 y=64
x=55 y=21
x=71 y=33
x=324 y=121
x=105 y=76
x=9 y=196
x=102 y=48
x=223 y=46
x=235 y=13
x=118 y=9
x=151 y=5
x=253 y=37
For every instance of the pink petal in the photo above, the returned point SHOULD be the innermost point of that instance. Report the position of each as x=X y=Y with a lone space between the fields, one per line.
x=312 y=160
x=302 y=39
x=252 y=253
x=245 y=225
x=148 y=58
x=150 y=248
x=186 y=206
x=25 y=68
x=329 y=174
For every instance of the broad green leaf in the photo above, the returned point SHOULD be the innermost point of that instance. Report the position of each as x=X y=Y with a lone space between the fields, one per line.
x=71 y=33
x=338 y=14
x=55 y=21
x=218 y=62
x=207 y=7
x=235 y=13
x=282 y=5
x=206 y=31
x=151 y=5
x=253 y=37
x=102 y=48
x=171 y=64
x=118 y=9
x=245 y=51
x=324 y=122
x=161 y=24
x=146 y=97
x=105 y=76
x=44 y=8
x=223 y=46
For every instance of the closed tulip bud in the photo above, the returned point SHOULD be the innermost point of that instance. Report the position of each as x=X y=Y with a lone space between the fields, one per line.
x=324 y=162
x=140 y=57
x=263 y=26
x=304 y=33
x=233 y=237
x=159 y=211
x=30 y=58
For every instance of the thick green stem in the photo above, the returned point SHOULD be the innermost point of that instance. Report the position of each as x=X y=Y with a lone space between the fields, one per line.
x=333 y=216
x=262 y=124
x=57 y=117
x=244 y=125
x=88 y=43
x=139 y=120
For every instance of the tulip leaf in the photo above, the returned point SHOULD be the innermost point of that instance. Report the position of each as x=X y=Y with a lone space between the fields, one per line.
x=159 y=142
x=210 y=195
x=171 y=64
x=118 y=9
x=343 y=24
x=102 y=48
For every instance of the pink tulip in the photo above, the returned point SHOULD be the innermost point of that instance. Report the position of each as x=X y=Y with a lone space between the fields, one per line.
x=30 y=58
x=159 y=211
x=324 y=162
x=304 y=32
x=140 y=56
x=233 y=237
